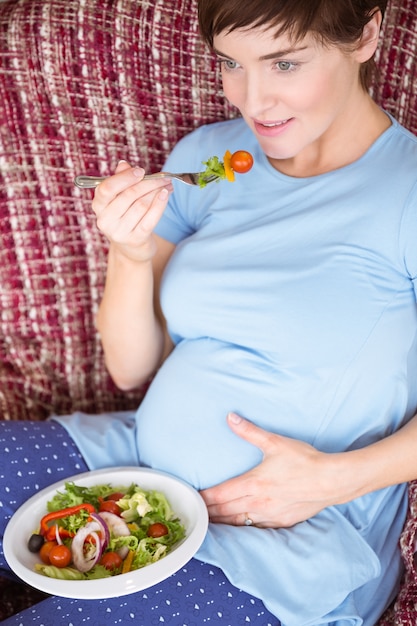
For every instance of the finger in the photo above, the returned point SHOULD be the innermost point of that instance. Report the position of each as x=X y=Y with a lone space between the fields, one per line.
x=125 y=177
x=110 y=188
x=149 y=220
x=228 y=511
x=122 y=165
x=242 y=520
x=231 y=513
x=230 y=491
x=133 y=219
x=127 y=193
x=255 y=435
x=239 y=519
x=255 y=508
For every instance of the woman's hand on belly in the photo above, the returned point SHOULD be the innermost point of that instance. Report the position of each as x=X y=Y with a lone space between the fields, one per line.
x=293 y=482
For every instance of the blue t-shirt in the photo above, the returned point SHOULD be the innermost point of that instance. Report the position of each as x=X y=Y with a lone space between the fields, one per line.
x=291 y=301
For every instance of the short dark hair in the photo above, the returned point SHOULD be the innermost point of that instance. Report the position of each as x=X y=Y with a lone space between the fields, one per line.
x=332 y=21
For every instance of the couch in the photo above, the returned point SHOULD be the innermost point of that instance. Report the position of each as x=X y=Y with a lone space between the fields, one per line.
x=84 y=83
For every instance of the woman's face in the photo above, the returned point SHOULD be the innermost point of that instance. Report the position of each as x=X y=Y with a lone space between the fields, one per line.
x=298 y=98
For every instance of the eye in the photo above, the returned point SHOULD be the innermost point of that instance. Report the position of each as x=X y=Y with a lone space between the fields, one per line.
x=228 y=65
x=286 y=66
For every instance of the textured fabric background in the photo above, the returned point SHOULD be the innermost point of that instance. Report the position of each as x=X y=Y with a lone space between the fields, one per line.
x=84 y=83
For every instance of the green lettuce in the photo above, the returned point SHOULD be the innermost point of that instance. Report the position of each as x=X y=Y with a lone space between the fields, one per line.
x=214 y=167
x=140 y=509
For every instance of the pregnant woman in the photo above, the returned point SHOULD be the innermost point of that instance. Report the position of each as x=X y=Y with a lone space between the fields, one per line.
x=277 y=319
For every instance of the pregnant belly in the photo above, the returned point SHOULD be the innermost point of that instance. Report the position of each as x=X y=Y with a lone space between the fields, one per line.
x=181 y=423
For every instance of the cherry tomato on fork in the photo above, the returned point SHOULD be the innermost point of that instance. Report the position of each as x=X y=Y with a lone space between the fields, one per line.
x=241 y=161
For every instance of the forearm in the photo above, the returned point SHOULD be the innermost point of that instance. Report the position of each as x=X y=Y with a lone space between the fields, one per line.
x=132 y=335
x=388 y=462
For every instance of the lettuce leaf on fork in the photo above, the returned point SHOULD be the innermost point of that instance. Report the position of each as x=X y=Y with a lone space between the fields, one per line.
x=214 y=167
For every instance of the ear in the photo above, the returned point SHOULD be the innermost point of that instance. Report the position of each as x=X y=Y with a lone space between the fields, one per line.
x=368 y=42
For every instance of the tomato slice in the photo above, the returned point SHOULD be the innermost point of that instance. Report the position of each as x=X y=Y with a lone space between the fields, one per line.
x=241 y=161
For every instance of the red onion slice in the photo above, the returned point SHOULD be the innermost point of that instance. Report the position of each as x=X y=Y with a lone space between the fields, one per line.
x=119 y=528
x=104 y=530
x=57 y=535
x=85 y=562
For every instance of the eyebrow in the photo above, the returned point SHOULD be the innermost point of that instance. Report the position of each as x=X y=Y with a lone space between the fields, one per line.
x=266 y=57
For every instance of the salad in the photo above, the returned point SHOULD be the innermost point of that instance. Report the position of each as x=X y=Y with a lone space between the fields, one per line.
x=101 y=531
x=240 y=161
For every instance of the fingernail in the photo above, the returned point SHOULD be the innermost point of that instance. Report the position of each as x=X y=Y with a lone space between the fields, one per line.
x=234 y=418
x=138 y=172
x=163 y=194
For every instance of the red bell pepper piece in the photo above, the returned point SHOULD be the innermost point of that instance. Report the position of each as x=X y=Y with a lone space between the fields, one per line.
x=50 y=534
x=49 y=517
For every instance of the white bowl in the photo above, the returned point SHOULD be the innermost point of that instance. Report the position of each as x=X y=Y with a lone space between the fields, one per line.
x=185 y=501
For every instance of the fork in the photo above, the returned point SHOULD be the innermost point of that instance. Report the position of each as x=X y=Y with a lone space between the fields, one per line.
x=190 y=178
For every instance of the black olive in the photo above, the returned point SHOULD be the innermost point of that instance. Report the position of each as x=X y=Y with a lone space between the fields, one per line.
x=36 y=542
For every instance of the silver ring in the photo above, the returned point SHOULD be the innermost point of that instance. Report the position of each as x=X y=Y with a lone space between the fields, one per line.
x=248 y=521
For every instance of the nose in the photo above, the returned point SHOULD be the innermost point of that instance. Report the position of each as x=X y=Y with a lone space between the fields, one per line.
x=259 y=96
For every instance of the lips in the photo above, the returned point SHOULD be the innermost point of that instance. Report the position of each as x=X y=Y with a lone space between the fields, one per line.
x=271 y=128
x=272 y=124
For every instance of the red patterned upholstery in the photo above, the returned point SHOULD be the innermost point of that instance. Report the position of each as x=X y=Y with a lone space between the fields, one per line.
x=84 y=83
x=81 y=86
